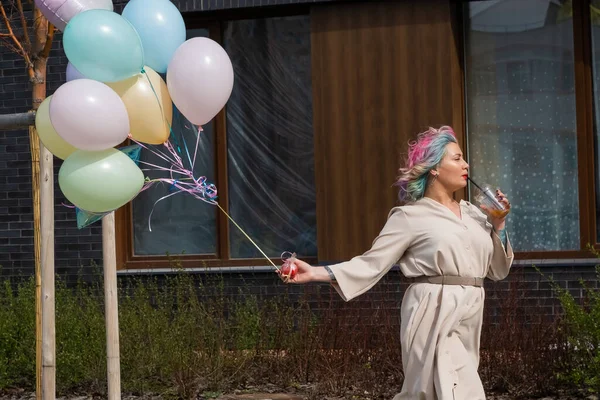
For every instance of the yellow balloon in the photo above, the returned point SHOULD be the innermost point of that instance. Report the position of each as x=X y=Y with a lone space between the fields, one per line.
x=51 y=140
x=149 y=106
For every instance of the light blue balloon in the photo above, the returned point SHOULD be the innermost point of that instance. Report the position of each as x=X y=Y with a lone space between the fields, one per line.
x=161 y=28
x=104 y=46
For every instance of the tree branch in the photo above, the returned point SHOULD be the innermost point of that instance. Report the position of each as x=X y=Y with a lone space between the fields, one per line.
x=45 y=53
x=18 y=44
x=8 y=43
x=24 y=25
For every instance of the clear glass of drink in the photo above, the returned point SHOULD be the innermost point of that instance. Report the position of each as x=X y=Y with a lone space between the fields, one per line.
x=486 y=196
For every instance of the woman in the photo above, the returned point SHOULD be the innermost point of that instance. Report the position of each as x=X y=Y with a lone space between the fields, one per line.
x=447 y=248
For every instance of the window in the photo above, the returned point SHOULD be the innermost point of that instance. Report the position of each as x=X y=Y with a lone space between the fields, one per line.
x=269 y=135
x=518 y=79
x=595 y=32
x=258 y=152
x=523 y=136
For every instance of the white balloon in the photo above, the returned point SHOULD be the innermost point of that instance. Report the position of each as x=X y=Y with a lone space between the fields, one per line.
x=89 y=115
x=200 y=79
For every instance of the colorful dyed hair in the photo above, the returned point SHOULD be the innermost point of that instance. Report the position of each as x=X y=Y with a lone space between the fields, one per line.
x=424 y=154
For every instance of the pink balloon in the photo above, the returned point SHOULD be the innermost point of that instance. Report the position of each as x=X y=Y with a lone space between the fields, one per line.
x=89 y=115
x=200 y=79
x=60 y=12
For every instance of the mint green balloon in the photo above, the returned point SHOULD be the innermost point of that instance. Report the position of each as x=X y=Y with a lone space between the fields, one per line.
x=103 y=46
x=100 y=181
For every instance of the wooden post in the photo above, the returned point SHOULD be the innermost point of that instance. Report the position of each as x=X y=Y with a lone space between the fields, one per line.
x=34 y=149
x=47 y=275
x=35 y=54
x=43 y=173
x=44 y=237
x=109 y=256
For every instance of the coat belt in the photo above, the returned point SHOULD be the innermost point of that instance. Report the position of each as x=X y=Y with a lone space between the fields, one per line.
x=449 y=280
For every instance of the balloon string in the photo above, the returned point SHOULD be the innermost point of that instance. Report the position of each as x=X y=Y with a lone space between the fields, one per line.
x=154 y=206
x=171 y=133
x=198 y=189
x=158 y=167
x=247 y=237
x=193 y=188
x=196 y=149
x=187 y=151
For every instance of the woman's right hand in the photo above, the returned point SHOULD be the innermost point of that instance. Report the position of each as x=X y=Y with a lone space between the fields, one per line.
x=304 y=274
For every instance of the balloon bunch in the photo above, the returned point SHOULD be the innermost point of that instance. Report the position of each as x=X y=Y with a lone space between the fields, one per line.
x=115 y=91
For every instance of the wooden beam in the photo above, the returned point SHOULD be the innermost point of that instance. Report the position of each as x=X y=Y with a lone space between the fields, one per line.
x=382 y=72
x=48 y=380
x=109 y=256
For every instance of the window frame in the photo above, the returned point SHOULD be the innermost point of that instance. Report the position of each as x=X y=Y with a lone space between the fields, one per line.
x=582 y=35
x=214 y=22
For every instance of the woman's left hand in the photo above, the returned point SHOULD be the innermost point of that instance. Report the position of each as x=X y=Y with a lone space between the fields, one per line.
x=498 y=220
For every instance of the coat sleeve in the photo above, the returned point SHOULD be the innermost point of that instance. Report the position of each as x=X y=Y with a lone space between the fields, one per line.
x=358 y=275
x=502 y=258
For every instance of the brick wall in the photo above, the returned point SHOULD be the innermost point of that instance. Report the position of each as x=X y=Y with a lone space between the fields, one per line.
x=525 y=295
x=77 y=249
x=73 y=247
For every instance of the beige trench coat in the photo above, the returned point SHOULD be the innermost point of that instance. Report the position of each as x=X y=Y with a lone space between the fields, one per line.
x=440 y=325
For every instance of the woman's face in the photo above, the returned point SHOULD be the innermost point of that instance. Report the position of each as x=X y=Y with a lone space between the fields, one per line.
x=453 y=169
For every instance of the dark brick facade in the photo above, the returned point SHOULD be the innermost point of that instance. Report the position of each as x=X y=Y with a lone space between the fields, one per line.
x=76 y=249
